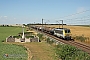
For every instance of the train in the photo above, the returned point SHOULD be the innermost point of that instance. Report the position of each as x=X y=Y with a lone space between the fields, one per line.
x=63 y=33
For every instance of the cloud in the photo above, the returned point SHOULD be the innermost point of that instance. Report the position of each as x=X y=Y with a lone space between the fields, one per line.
x=14 y=18
x=81 y=9
x=5 y=16
x=0 y=17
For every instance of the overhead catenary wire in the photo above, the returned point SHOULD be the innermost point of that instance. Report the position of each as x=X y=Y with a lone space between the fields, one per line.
x=74 y=14
x=79 y=19
x=83 y=17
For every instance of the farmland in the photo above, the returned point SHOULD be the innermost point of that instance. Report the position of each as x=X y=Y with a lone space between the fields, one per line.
x=77 y=31
x=15 y=52
x=7 y=31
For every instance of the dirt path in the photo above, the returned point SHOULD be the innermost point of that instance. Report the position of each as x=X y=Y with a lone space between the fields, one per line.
x=29 y=53
x=39 y=51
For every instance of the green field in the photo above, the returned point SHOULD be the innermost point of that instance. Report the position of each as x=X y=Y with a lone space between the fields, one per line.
x=7 y=31
x=15 y=52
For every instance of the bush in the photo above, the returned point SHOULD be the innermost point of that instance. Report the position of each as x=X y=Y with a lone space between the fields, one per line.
x=17 y=36
x=40 y=36
x=49 y=41
x=29 y=36
x=67 y=52
x=81 y=38
x=3 y=40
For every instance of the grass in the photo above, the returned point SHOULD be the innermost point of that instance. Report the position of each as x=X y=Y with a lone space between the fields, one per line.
x=41 y=51
x=15 y=52
x=81 y=38
x=7 y=31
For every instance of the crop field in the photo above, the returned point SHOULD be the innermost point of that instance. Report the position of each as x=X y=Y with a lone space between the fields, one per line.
x=7 y=31
x=77 y=30
x=15 y=52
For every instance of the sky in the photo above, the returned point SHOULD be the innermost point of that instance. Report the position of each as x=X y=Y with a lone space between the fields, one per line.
x=33 y=11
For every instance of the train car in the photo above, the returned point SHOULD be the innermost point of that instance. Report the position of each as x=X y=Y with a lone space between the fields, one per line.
x=63 y=33
x=41 y=28
x=49 y=29
x=52 y=30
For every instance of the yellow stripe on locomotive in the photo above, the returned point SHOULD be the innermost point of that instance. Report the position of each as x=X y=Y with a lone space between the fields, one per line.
x=67 y=33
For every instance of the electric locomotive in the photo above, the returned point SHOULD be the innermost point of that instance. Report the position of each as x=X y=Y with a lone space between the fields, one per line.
x=63 y=33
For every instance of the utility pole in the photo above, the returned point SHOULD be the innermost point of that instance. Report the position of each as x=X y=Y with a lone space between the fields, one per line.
x=59 y=23
x=42 y=25
x=45 y=24
x=62 y=23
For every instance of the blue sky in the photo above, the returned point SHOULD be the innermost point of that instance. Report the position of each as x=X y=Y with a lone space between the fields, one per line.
x=30 y=11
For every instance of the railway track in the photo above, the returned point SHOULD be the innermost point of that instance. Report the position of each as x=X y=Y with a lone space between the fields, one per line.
x=79 y=45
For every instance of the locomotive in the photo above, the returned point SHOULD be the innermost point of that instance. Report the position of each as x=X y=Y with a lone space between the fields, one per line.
x=63 y=33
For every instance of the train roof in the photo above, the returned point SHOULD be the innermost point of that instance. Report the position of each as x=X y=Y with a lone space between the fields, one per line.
x=61 y=28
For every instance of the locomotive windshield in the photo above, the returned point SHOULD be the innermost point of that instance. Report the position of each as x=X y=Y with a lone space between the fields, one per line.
x=67 y=31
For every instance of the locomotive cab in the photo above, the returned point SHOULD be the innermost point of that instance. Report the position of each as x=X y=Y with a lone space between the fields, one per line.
x=63 y=33
x=67 y=34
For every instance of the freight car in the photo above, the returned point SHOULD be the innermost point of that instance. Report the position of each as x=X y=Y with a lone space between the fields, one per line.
x=49 y=29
